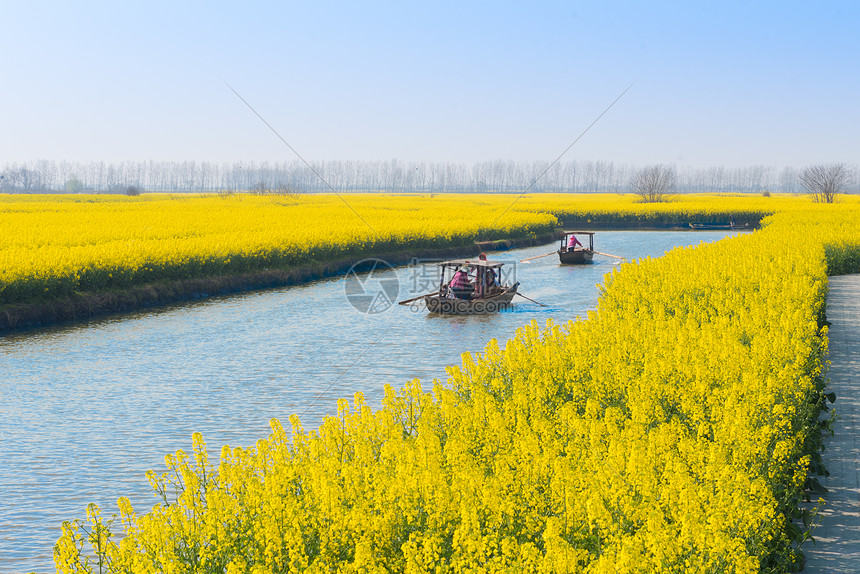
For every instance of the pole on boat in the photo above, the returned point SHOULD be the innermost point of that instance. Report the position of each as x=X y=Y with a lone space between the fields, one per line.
x=537 y=257
x=532 y=300
x=608 y=254
x=415 y=298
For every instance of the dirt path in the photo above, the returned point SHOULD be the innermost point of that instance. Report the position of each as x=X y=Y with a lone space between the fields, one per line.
x=837 y=538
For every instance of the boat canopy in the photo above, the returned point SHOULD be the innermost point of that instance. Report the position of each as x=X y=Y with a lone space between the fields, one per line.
x=471 y=263
x=566 y=238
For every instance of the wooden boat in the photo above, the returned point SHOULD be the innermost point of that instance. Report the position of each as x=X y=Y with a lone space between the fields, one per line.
x=494 y=297
x=578 y=254
x=706 y=226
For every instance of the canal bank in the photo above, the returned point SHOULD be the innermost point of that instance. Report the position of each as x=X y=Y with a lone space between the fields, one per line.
x=86 y=306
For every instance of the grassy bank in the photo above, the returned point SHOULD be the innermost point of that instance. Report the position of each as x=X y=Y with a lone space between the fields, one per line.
x=87 y=305
x=63 y=245
x=75 y=256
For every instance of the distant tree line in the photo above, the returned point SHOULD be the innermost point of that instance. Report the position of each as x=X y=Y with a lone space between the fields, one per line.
x=388 y=176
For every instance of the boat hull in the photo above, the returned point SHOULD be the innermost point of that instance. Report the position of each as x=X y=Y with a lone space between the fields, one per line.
x=708 y=226
x=449 y=306
x=576 y=256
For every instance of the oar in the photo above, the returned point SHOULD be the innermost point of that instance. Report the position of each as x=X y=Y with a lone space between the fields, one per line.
x=608 y=255
x=416 y=298
x=537 y=257
x=532 y=300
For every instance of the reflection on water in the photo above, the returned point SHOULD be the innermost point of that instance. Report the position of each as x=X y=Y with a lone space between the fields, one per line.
x=88 y=408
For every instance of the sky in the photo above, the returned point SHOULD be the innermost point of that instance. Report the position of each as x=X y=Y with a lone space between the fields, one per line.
x=710 y=83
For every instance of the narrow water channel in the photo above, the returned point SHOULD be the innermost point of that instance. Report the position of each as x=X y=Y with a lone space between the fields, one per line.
x=87 y=409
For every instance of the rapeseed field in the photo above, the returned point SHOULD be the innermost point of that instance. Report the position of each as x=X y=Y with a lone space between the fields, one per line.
x=675 y=429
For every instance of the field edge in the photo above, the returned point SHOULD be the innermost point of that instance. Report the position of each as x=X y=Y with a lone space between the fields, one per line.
x=92 y=305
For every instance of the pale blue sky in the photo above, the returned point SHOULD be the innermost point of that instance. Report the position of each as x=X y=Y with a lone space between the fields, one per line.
x=716 y=83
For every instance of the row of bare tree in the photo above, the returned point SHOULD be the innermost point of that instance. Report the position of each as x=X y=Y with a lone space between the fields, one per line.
x=823 y=181
x=391 y=176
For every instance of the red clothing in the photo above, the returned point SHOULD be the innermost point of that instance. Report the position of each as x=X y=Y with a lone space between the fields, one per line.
x=460 y=286
x=459 y=280
x=573 y=242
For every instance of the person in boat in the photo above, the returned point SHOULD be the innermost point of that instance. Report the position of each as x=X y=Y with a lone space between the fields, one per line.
x=486 y=282
x=459 y=287
x=573 y=242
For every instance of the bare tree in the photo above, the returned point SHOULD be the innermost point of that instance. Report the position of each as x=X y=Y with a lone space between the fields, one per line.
x=285 y=190
x=653 y=183
x=260 y=188
x=496 y=176
x=824 y=181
